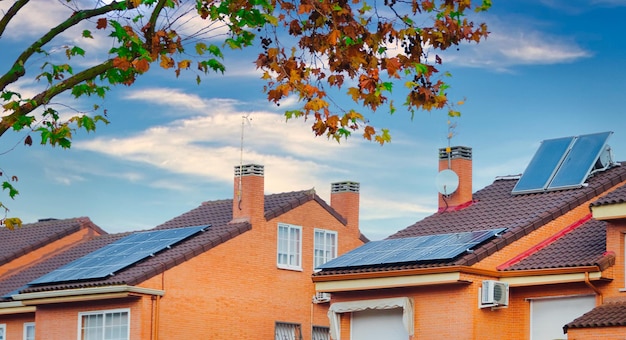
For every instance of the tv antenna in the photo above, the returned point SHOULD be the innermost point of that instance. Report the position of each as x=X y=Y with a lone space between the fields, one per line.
x=244 y=119
x=447 y=181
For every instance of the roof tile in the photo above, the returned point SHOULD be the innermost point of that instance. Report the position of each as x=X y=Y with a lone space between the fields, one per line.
x=609 y=314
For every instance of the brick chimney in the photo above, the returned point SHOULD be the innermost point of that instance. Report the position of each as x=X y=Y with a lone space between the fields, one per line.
x=459 y=160
x=249 y=195
x=344 y=198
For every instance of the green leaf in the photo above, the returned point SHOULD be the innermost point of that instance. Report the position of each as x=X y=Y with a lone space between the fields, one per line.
x=214 y=50
x=200 y=48
x=87 y=34
x=12 y=191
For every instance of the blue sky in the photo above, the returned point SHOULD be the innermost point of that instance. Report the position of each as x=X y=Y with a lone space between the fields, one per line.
x=550 y=68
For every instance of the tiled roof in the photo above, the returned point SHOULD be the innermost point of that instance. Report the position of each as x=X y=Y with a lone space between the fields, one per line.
x=584 y=246
x=609 y=314
x=614 y=197
x=31 y=236
x=495 y=207
x=14 y=282
x=217 y=214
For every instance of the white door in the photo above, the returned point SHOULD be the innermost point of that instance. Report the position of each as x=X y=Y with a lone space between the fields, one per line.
x=548 y=316
x=377 y=324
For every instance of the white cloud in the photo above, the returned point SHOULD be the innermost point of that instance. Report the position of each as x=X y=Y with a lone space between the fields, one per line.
x=512 y=45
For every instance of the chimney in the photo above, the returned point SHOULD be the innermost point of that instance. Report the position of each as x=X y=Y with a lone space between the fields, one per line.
x=344 y=198
x=249 y=196
x=459 y=160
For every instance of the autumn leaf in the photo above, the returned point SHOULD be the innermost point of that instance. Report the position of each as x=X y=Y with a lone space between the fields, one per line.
x=393 y=65
x=101 y=23
x=12 y=222
x=166 y=62
x=141 y=65
x=333 y=37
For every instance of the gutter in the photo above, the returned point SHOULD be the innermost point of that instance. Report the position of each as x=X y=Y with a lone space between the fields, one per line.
x=15 y=307
x=451 y=275
x=84 y=294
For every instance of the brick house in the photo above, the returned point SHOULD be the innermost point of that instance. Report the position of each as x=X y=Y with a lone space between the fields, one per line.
x=25 y=247
x=234 y=268
x=522 y=258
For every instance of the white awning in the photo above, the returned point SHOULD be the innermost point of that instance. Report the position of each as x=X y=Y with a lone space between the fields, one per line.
x=355 y=306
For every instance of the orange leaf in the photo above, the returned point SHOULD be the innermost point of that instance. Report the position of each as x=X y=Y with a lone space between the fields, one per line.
x=141 y=65
x=166 y=62
x=393 y=65
x=333 y=37
x=102 y=23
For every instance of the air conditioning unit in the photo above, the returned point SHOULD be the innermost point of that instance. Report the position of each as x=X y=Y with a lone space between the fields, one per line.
x=494 y=293
x=320 y=297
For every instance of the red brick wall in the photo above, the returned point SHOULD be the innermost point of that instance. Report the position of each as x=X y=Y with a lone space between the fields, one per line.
x=15 y=324
x=60 y=321
x=236 y=290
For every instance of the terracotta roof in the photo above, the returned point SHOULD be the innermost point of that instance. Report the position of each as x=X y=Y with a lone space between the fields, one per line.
x=614 y=197
x=218 y=214
x=609 y=314
x=495 y=207
x=31 y=236
x=584 y=246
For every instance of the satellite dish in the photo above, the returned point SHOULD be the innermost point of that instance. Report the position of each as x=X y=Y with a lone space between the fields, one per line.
x=447 y=182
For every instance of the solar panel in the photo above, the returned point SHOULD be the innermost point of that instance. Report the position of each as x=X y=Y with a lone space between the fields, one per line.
x=543 y=165
x=118 y=255
x=562 y=163
x=412 y=249
x=579 y=161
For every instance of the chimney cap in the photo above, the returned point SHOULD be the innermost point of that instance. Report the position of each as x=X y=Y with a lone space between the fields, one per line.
x=345 y=186
x=456 y=152
x=249 y=170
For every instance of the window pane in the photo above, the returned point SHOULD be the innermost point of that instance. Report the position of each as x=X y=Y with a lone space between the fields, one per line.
x=29 y=331
x=105 y=326
x=287 y=331
x=288 y=248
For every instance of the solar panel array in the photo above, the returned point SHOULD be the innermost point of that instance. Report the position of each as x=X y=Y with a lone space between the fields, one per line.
x=562 y=163
x=412 y=249
x=118 y=255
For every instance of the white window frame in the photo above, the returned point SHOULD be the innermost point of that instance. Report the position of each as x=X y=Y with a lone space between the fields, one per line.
x=104 y=313
x=26 y=326
x=291 y=257
x=329 y=251
x=3 y=335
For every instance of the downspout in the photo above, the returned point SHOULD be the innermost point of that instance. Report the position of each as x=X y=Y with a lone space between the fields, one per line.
x=599 y=298
x=156 y=318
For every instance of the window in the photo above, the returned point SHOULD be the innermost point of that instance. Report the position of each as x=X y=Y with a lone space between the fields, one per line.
x=289 y=247
x=104 y=325
x=320 y=333
x=29 y=331
x=3 y=331
x=325 y=247
x=287 y=331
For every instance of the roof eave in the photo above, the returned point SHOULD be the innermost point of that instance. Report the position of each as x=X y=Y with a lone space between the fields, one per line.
x=84 y=294
x=609 y=211
x=439 y=275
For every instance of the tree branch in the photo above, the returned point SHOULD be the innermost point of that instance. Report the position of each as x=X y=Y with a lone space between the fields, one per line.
x=18 y=69
x=44 y=97
x=10 y=14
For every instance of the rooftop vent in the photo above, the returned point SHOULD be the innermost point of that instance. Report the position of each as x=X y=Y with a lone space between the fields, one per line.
x=249 y=170
x=344 y=187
